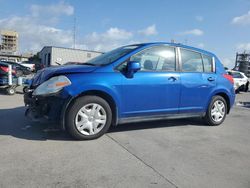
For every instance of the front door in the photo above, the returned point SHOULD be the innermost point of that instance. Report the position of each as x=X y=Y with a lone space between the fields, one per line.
x=155 y=89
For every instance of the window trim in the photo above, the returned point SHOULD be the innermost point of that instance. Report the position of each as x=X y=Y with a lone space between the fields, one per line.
x=214 y=65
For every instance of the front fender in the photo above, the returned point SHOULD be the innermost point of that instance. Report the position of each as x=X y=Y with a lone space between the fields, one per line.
x=81 y=83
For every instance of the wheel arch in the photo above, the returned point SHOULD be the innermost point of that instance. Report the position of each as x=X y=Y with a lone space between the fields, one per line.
x=104 y=95
x=227 y=99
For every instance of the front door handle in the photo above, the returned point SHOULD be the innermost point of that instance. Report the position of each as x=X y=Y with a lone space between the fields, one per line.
x=173 y=78
x=210 y=79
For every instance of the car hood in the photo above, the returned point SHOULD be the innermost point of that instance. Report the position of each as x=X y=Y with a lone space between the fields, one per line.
x=49 y=72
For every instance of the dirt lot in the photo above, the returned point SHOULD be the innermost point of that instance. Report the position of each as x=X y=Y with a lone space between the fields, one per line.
x=176 y=153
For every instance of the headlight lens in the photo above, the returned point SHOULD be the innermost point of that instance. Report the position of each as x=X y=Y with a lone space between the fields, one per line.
x=52 y=85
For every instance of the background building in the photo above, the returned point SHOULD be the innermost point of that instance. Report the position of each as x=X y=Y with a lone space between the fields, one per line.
x=9 y=47
x=242 y=63
x=51 y=55
x=9 y=42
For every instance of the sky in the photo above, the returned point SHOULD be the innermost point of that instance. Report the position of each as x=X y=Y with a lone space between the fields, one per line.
x=222 y=27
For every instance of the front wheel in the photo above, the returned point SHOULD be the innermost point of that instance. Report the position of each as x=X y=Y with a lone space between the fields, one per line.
x=216 y=112
x=89 y=117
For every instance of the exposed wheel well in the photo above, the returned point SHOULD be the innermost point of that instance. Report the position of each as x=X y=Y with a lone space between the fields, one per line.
x=224 y=95
x=106 y=97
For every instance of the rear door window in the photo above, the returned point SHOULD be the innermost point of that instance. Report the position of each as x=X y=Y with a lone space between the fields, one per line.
x=191 y=61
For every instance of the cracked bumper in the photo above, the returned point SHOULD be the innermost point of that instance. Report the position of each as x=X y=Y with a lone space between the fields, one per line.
x=46 y=108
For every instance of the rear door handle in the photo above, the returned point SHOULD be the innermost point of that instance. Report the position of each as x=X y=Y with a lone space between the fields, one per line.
x=210 y=79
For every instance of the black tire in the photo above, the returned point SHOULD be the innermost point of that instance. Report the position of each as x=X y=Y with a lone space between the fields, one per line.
x=208 y=117
x=25 y=89
x=76 y=106
x=242 y=87
x=11 y=90
x=237 y=91
x=246 y=87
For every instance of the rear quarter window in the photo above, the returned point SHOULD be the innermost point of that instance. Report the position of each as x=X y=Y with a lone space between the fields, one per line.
x=207 y=63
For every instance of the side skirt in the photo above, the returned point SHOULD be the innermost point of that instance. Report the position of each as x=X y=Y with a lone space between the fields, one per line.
x=159 y=117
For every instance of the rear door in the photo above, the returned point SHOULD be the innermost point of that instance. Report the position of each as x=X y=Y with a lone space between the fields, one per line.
x=197 y=80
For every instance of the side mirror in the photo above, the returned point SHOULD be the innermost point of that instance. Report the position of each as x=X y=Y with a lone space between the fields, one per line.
x=133 y=67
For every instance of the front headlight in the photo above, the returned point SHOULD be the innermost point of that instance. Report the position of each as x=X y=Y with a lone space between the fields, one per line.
x=52 y=85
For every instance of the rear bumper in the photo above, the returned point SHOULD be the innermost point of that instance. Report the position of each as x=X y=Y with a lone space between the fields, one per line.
x=50 y=109
x=232 y=99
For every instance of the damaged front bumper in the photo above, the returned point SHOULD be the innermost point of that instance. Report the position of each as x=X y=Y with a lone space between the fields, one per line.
x=49 y=109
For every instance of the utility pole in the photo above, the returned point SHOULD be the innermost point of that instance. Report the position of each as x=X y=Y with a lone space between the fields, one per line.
x=74 y=33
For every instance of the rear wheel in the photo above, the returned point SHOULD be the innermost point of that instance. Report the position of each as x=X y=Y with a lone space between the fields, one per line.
x=89 y=117
x=216 y=112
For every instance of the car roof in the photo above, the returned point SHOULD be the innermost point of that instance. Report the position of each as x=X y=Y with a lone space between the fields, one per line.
x=9 y=62
x=177 y=45
x=12 y=63
x=4 y=63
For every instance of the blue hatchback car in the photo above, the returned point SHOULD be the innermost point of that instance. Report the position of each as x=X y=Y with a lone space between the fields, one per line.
x=133 y=83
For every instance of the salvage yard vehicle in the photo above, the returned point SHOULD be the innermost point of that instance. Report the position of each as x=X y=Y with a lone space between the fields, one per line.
x=241 y=82
x=16 y=76
x=29 y=64
x=134 y=83
x=4 y=83
x=11 y=76
x=20 y=69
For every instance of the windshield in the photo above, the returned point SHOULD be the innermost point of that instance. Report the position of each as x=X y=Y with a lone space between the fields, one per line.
x=112 y=56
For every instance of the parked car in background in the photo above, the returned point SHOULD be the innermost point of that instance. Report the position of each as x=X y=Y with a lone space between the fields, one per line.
x=4 y=69
x=4 y=83
x=134 y=83
x=38 y=66
x=29 y=64
x=241 y=81
x=20 y=69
